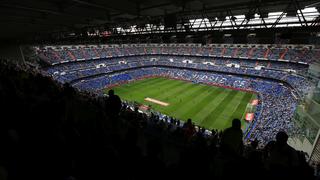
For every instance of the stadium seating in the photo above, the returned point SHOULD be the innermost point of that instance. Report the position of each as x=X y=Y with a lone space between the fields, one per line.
x=50 y=129
x=274 y=53
x=274 y=73
x=88 y=68
x=269 y=94
x=124 y=59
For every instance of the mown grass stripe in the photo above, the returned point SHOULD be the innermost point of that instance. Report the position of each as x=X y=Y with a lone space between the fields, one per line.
x=131 y=88
x=225 y=116
x=212 y=116
x=165 y=89
x=167 y=92
x=148 y=83
x=186 y=97
x=141 y=94
x=202 y=102
x=211 y=105
x=172 y=94
x=148 y=89
x=139 y=83
x=181 y=111
x=187 y=100
x=138 y=94
x=173 y=101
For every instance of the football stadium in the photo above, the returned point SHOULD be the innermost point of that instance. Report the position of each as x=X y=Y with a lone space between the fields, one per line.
x=159 y=89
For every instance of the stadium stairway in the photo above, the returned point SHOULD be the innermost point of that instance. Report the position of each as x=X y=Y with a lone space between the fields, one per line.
x=284 y=53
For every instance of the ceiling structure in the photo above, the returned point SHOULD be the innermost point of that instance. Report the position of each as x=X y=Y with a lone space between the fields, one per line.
x=19 y=19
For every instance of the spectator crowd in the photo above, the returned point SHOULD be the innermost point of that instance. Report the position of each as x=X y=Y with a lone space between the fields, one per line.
x=74 y=53
x=54 y=131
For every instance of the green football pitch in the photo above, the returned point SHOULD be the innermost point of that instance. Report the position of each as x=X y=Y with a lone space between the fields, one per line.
x=207 y=106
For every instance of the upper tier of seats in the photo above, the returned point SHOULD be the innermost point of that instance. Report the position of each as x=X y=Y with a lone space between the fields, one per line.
x=55 y=55
x=66 y=73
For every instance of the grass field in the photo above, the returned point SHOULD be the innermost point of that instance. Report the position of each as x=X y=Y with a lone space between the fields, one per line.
x=208 y=106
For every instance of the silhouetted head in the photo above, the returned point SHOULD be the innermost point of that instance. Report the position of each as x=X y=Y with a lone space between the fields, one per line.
x=68 y=90
x=213 y=131
x=236 y=123
x=189 y=121
x=111 y=92
x=136 y=109
x=281 y=137
x=254 y=144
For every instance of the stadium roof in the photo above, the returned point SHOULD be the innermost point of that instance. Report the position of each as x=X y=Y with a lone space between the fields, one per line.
x=31 y=17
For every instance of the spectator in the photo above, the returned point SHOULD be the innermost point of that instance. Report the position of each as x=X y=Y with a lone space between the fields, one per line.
x=283 y=158
x=231 y=140
x=113 y=104
x=189 y=129
x=84 y=149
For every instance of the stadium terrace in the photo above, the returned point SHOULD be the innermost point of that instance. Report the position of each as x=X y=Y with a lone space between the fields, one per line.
x=271 y=72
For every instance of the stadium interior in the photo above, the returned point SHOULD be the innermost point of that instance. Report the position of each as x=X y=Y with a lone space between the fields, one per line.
x=158 y=89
